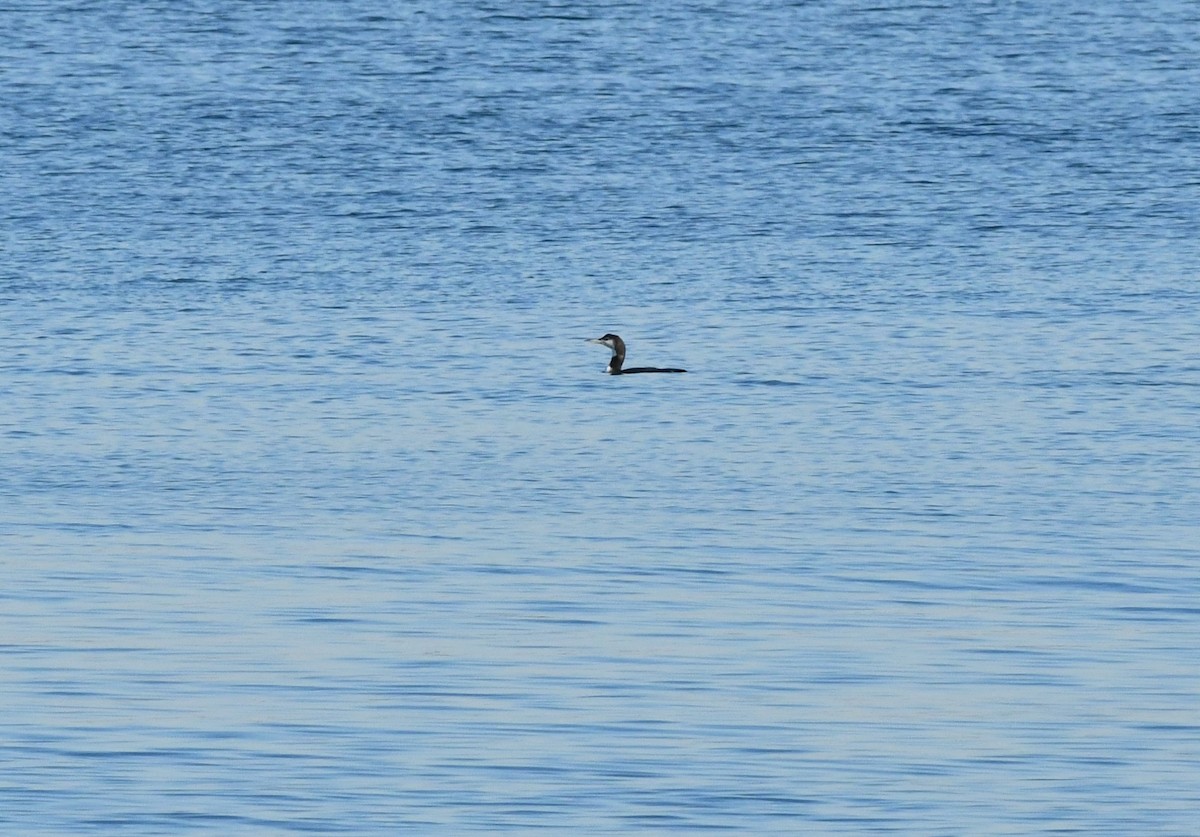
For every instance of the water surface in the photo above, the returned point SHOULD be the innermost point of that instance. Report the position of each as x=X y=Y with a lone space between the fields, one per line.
x=318 y=514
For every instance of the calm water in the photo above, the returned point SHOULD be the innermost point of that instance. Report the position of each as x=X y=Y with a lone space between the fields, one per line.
x=317 y=513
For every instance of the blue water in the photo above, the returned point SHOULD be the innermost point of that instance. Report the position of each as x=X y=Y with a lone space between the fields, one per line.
x=317 y=513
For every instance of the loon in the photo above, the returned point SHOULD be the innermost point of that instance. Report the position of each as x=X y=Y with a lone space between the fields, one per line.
x=618 y=357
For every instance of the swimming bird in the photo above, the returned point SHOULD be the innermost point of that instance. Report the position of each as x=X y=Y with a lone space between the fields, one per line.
x=618 y=357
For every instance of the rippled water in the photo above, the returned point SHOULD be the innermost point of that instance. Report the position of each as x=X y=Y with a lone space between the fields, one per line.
x=318 y=514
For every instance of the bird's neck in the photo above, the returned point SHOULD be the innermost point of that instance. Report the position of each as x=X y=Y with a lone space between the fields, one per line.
x=615 y=363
